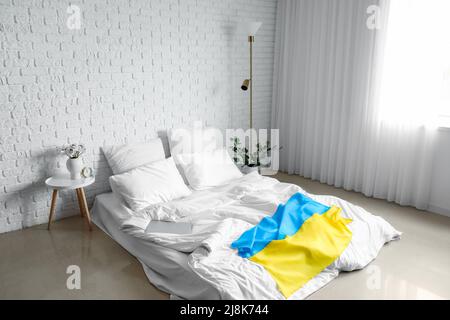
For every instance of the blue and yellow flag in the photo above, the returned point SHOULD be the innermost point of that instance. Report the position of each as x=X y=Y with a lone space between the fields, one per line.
x=298 y=242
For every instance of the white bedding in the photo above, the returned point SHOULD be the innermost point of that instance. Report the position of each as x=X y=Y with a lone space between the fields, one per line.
x=220 y=215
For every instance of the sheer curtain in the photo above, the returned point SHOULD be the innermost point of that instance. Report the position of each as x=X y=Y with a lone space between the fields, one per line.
x=356 y=104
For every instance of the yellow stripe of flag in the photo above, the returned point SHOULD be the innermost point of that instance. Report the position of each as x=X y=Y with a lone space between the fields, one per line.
x=295 y=260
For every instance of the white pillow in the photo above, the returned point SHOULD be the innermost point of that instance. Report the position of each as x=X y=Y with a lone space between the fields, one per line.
x=150 y=184
x=129 y=156
x=208 y=169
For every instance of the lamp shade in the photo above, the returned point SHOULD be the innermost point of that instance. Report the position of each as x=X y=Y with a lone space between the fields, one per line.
x=251 y=28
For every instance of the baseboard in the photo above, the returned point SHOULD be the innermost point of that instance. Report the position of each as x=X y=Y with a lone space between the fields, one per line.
x=439 y=210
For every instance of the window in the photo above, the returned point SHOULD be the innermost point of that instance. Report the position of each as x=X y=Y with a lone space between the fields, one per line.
x=415 y=87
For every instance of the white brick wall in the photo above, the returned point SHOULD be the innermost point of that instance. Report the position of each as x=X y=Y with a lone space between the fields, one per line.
x=134 y=69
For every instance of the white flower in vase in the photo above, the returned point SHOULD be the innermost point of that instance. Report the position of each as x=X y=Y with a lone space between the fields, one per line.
x=75 y=163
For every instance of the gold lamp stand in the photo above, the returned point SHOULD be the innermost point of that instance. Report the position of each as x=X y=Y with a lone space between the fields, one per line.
x=248 y=83
x=251 y=29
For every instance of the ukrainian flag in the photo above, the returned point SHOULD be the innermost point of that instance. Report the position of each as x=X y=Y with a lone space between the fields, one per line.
x=298 y=242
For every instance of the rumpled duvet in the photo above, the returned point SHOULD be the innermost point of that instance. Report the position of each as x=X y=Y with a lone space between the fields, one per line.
x=221 y=215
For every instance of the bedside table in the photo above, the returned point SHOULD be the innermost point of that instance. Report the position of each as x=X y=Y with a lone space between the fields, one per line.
x=63 y=183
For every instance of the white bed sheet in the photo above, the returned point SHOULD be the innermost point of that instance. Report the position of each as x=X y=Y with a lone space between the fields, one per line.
x=166 y=268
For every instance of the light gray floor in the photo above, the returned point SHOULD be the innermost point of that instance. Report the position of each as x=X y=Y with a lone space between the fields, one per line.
x=33 y=262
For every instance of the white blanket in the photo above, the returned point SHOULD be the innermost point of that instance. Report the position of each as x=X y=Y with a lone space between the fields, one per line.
x=220 y=215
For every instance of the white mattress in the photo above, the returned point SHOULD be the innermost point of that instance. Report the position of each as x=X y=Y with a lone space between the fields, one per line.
x=166 y=268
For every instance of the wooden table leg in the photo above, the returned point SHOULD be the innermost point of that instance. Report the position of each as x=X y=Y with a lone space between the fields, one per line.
x=80 y=202
x=52 y=207
x=86 y=209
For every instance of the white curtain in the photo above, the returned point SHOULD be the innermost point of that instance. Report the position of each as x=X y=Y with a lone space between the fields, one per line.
x=350 y=112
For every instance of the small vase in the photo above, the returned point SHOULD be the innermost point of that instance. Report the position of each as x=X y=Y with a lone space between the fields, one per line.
x=75 y=166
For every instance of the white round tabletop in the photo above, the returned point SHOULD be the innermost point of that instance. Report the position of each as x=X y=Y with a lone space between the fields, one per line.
x=67 y=183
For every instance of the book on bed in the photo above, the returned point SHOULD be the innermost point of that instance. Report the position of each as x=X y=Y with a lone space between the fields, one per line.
x=169 y=227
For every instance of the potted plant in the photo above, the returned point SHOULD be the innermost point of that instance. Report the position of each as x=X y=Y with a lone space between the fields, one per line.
x=249 y=161
x=75 y=163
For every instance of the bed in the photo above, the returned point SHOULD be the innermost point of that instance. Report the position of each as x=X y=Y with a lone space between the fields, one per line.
x=202 y=265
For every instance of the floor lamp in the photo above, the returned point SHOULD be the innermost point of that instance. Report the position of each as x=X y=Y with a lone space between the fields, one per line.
x=251 y=28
